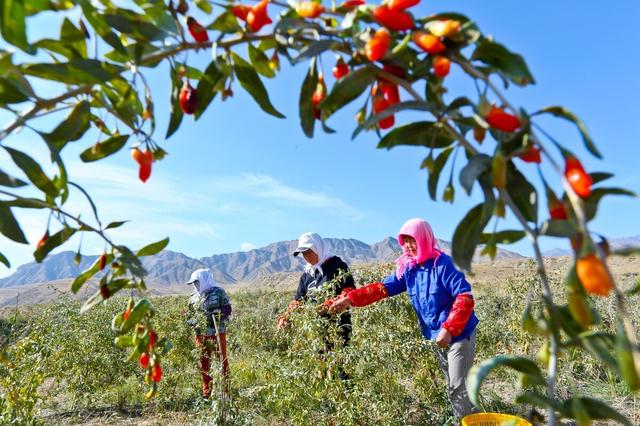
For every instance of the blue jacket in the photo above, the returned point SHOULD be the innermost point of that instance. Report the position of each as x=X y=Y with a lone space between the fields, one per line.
x=432 y=291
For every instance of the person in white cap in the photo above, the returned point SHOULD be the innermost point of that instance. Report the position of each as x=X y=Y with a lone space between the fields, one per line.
x=212 y=301
x=325 y=274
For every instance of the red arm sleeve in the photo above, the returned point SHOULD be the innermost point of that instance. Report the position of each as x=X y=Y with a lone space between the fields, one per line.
x=368 y=294
x=460 y=313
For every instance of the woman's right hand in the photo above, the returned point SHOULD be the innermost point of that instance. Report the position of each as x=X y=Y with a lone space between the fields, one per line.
x=282 y=322
x=340 y=303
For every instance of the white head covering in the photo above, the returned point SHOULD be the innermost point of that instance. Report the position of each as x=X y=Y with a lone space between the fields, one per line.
x=205 y=280
x=313 y=241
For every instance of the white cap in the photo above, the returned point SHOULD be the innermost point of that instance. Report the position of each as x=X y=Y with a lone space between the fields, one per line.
x=305 y=242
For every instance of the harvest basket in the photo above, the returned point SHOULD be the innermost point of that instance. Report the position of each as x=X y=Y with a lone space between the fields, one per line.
x=493 y=419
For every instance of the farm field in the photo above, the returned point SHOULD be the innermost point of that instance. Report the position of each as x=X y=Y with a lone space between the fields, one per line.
x=61 y=367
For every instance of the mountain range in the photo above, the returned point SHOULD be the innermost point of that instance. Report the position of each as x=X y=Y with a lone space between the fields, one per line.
x=168 y=268
x=614 y=244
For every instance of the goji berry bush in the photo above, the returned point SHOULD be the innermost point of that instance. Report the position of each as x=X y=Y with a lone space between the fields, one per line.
x=72 y=371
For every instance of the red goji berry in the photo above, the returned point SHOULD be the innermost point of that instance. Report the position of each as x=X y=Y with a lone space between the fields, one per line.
x=395 y=20
x=309 y=9
x=532 y=155
x=501 y=120
x=156 y=372
x=188 y=98
x=340 y=69
x=428 y=42
x=197 y=31
x=258 y=17
x=578 y=178
x=144 y=360
x=377 y=46
x=379 y=105
x=241 y=11
x=593 y=275
x=441 y=66
x=402 y=4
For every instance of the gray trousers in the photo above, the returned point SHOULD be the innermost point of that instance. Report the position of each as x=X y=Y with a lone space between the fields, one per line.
x=455 y=362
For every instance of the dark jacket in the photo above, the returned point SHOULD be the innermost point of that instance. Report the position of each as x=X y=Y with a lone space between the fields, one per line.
x=319 y=282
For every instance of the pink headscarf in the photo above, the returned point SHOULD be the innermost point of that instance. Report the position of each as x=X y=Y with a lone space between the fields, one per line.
x=427 y=244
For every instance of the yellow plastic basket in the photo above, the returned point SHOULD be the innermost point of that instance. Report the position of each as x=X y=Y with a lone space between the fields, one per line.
x=493 y=419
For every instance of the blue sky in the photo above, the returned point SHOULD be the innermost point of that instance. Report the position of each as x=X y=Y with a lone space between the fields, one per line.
x=238 y=178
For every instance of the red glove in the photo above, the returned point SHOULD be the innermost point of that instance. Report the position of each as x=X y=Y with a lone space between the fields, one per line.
x=327 y=303
x=367 y=295
x=460 y=313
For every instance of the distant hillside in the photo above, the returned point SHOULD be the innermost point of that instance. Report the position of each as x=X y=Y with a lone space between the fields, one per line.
x=614 y=244
x=167 y=267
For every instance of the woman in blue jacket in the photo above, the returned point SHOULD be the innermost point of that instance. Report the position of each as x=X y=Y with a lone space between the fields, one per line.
x=442 y=299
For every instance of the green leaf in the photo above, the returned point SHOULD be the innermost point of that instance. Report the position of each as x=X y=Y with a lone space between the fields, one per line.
x=479 y=372
x=9 y=93
x=153 y=248
x=136 y=51
x=207 y=86
x=104 y=148
x=116 y=224
x=157 y=13
x=260 y=61
x=592 y=201
x=434 y=175
x=72 y=128
x=250 y=81
x=136 y=26
x=4 y=260
x=137 y=313
x=599 y=410
x=421 y=133
x=85 y=276
x=459 y=102
x=131 y=262
x=10 y=181
x=477 y=165
x=176 y=109
x=467 y=236
x=52 y=242
x=500 y=58
x=563 y=112
x=307 y=111
x=73 y=38
x=600 y=345
x=103 y=29
x=314 y=49
x=226 y=23
x=124 y=341
x=502 y=237
x=124 y=101
x=522 y=193
x=77 y=71
x=626 y=362
x=9 y=227
x=402 y=106
x=204 y=6
x=72 y=43
x=27 y=203
x=112 y=287
x=13 y=24
x=33 y=171
x=538 y=400
x=558 y=228
x=347 y=89
x=597 y=177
